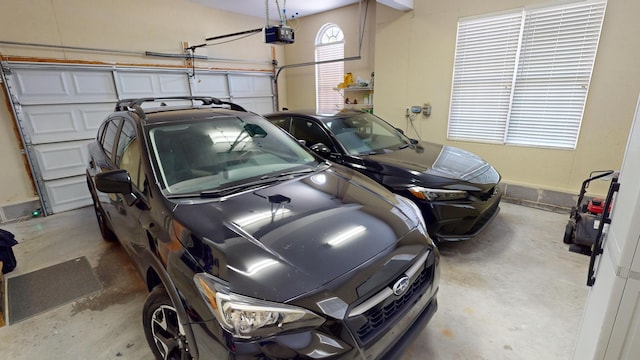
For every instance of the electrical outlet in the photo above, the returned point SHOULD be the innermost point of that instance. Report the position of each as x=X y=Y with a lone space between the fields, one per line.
x=426 y=110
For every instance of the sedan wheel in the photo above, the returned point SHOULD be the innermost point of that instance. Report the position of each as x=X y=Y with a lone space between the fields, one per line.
x=162 y=329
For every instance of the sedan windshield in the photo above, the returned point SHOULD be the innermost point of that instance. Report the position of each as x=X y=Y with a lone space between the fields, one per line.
x=365 y=133
x=220 y=153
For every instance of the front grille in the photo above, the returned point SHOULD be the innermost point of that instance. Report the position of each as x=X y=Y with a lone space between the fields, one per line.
x=384 y=315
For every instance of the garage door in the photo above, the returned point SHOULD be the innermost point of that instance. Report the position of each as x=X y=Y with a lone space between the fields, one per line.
x=60 y=107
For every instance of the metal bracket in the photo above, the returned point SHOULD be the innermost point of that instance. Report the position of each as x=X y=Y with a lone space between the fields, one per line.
x=16 y=107
x=5 y=67
x=597 y=249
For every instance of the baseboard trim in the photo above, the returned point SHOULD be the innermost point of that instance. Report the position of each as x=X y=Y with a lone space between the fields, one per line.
x=539 y=198
x=17 y=211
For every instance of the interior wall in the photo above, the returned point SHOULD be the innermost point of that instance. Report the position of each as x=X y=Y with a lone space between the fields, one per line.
x=411 y=52
x=414 y=53
x=128 y=27
x=14 y=182
x=301 y=93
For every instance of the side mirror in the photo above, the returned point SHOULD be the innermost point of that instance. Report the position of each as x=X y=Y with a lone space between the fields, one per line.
x=320 y=149
x=116 y=182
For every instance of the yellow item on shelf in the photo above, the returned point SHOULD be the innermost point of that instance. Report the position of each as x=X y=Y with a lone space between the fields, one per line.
x=348 y=79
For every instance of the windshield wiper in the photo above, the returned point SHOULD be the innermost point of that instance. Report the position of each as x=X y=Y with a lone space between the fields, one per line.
x=182 y=196
x=264 y=180
x=243 y=186
x=288 y=173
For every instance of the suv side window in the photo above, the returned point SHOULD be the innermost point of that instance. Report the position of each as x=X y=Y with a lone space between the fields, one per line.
x=128 y=155
x=127 y=135
x=109 y=137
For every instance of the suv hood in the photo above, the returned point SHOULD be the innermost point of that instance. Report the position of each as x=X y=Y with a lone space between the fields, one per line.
x=438 y=160
x=294 y=237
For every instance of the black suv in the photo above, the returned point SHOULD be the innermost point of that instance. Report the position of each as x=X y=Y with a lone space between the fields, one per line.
x=252 y=246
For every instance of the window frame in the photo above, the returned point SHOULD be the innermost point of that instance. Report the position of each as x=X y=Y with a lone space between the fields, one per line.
x=113 y=123
x=331 y=51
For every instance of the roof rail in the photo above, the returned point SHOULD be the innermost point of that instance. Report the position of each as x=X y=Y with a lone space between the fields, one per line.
x=135 y=103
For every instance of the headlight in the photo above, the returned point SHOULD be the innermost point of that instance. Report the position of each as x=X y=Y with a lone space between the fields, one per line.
x=437 y=194
x=416 y=211
x=246 y=317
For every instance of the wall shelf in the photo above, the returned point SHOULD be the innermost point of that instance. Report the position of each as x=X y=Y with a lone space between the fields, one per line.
x=363 y=94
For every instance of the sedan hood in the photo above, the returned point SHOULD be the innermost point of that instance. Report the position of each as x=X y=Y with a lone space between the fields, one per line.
x=293 y=237
x=437 y=160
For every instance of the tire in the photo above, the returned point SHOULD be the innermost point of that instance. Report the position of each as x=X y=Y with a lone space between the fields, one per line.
x=568 y=233
x=105 y=230
x=162 y=329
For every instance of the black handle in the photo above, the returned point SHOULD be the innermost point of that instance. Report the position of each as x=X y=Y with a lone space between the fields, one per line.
x=605 y=219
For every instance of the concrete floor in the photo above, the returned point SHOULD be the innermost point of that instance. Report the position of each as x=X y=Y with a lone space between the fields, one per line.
x=514 y=292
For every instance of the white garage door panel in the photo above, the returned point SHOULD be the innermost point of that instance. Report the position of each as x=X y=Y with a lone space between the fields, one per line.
x=55 y=123
x=211 y=85
x=61 y=160
x=250 y=85
x=61 y=106
x=150 y=84
x=257 y=105
x=55 y=86
x=68 y=194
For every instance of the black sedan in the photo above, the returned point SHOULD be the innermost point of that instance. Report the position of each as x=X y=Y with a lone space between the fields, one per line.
x=456 y=190
x=252 y=246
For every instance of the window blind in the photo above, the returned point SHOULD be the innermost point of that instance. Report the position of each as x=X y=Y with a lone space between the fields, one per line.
x=328 y=76
x=483 y=75
x=556 y=60
x=522 y=78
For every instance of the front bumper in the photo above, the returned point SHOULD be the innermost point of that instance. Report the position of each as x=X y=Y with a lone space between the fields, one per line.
x=316 y=344
x=336 y=338
x=460 y=220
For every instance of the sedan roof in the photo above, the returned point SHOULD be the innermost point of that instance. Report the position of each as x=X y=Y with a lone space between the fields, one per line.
x=322 y=116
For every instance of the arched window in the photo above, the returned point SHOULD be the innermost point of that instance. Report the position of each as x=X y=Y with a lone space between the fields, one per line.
x=329 y=46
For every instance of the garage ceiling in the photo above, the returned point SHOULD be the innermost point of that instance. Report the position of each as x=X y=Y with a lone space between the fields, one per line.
x=257 y=8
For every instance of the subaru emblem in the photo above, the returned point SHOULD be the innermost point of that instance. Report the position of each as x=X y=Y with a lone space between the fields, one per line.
x=401 y=286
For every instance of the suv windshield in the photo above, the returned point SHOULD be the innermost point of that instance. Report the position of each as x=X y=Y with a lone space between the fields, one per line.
x=222 y=152
x=365 y=133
